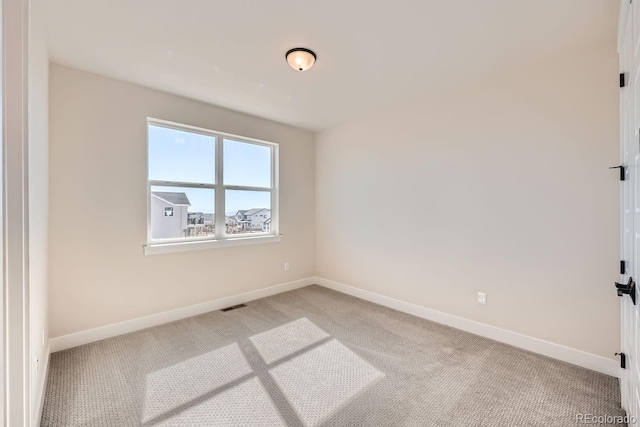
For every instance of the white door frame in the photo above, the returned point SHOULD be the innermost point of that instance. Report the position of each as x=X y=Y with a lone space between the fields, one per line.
x=628 y=43
x=623 y=43
x=14 y=251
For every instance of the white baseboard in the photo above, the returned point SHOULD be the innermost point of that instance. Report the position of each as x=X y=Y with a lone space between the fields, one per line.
x=42 y=387
x=546 y=348
x=84 y=337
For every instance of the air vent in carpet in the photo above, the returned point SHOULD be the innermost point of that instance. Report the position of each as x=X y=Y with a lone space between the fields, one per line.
x=224 y=310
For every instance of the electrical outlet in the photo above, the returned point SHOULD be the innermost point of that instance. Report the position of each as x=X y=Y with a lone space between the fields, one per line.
x=286 y=266
x=482 y=298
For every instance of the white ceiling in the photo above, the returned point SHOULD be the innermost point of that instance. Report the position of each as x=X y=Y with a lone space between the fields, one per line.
x=370 y=53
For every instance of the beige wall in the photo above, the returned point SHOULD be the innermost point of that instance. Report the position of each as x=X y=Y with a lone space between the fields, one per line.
x=497 y=185
x=99 y=274
x=38 y=204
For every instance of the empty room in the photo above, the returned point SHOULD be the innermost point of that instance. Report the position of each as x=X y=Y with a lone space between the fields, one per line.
x=295 y=213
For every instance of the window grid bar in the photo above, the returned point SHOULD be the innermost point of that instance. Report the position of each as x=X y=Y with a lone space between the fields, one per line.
x=220 y=209
x=244 y=188
x=181 y=184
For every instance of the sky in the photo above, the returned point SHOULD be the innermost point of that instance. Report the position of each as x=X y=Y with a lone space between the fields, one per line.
x=189 y=157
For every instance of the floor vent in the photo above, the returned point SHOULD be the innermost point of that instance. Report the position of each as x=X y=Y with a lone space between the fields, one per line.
x=224 y=310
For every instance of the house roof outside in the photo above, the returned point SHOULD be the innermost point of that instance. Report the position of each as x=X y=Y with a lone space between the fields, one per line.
x=176 y=199
x=253 y=211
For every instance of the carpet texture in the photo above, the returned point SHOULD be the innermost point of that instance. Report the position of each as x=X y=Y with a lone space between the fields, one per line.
x=314 y=357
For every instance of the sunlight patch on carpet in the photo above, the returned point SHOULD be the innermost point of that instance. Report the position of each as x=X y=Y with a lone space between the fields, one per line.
x=246 y=404
x=321 y=381
x=179 y=384
x=285 y=340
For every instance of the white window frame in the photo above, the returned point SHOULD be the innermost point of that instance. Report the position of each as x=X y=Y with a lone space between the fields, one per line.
x=221 y=238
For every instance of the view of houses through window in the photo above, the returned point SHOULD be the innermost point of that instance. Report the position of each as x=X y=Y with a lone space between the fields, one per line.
x=184 y=178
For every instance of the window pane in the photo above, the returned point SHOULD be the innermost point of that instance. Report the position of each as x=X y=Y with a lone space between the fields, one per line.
x=248 y=211
x=176 y=155
x=179 y=212
x=247 y=164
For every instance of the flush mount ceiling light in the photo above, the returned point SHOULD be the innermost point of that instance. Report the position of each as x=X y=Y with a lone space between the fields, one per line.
x=301 y=59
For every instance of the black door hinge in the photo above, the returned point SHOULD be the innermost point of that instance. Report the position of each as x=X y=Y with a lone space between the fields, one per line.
x=623 y=360
x=622 y=171
x=628 y=288
x=623 y=79
x=623 y=267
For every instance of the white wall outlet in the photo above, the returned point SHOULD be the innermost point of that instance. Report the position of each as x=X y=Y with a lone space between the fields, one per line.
x=286 y=266
x=482 y=298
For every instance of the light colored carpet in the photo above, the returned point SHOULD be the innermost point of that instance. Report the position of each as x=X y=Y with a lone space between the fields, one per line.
x=320 y=381
x=287 y=339
x=314 y=357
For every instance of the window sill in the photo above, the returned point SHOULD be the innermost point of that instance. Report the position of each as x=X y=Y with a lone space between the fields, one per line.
x=165 y=248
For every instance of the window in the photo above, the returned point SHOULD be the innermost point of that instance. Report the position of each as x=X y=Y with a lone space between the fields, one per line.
x=208 y=189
